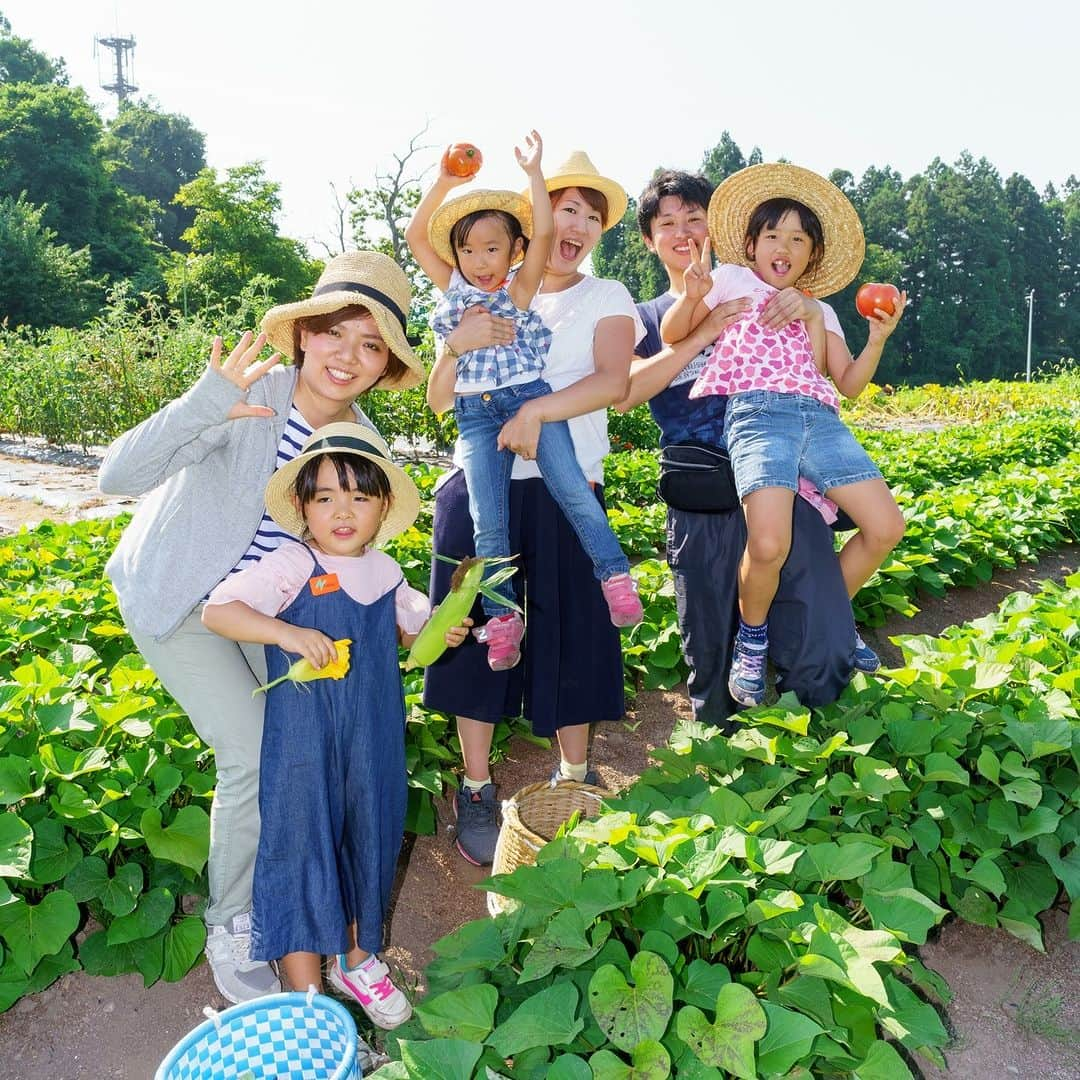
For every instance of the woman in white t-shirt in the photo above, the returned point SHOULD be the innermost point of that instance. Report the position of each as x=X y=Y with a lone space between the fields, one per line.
x=572 y=670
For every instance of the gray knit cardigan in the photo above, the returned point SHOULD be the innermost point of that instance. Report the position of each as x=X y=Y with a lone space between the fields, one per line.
x=205 y=476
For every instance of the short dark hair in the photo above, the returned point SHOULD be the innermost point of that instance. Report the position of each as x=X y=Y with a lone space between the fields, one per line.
x=319 y=324
x=459 y=234
x=354 y=473
x=597 y=200
x=692 y=189
x=768 y=214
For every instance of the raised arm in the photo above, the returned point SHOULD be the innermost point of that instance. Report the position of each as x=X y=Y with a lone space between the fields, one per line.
x=192 y=426
x=416 y=234
x=852 y=376
x=527 y=279
x=689 y=309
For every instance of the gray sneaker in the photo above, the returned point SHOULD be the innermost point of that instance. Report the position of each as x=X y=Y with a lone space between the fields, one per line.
x=236 y=975
x=477 y=829
x=591 y=777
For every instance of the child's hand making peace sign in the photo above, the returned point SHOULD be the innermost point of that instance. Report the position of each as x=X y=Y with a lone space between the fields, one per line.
x=697 y=277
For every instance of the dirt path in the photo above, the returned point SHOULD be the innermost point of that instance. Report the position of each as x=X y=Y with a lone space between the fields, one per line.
x=1016 y=1012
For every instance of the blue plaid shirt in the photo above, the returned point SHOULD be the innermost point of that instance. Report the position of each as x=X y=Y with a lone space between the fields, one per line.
x=494 y=364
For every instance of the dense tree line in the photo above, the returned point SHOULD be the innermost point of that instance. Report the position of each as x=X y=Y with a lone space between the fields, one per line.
x=966 y=246
x=86 y=205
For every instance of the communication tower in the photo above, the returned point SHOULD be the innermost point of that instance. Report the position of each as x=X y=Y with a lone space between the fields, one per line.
x=123 y=49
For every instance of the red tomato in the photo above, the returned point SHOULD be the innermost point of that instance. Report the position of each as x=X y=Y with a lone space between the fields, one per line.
x=463 y=159
x=873 y=295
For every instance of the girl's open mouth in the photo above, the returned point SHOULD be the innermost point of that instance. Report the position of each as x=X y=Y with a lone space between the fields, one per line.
x=568 y=250
x=341 y=378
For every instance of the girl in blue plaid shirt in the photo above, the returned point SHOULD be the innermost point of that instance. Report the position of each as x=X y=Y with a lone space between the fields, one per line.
x=467 y=247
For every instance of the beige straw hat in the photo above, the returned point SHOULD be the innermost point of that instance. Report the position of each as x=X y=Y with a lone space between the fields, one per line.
x=370 y=279
x=453 y=210
x=344 y=438
x=734 y=201
x=578 y=171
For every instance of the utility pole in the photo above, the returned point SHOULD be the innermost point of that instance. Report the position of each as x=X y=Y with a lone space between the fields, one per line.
x=123 y=49
x=1031 y=312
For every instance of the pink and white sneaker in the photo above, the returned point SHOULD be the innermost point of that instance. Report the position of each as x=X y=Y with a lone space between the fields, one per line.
x=502 y=635
x=369 y=983
x=624 y=604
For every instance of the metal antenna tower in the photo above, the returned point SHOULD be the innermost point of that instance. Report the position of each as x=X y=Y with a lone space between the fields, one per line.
x=123 y=48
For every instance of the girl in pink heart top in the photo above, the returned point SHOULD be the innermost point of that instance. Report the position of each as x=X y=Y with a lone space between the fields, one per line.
x=781 y=229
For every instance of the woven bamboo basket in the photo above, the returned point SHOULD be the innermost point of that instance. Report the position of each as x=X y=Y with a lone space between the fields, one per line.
x=530 y=820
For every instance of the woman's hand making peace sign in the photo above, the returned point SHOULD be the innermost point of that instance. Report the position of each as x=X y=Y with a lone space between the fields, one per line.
x=243 y=369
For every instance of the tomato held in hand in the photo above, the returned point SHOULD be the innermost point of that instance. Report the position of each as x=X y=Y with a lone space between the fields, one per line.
x=463 y=159
x=873 y=295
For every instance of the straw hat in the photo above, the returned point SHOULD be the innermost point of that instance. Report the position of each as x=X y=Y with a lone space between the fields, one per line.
x=370 y=279
x=451 y=212
x=578 y=171
x=742 y=193
x=344 y=438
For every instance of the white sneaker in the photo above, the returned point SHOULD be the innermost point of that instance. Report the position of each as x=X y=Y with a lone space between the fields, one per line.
x=236 y=975
x=369 y=983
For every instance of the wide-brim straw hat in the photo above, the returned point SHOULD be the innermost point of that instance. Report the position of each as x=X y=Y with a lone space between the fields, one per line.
x=578 y=171
x=344 y=438
x=453 y=210
x=738 y=196
x=367 y=278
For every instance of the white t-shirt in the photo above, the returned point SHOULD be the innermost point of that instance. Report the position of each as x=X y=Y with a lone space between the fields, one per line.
x=571 y=315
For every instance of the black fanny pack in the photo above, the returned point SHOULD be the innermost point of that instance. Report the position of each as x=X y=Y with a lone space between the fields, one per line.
x=697 y=477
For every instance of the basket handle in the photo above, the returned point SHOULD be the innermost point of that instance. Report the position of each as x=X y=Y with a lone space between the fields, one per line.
x=311 y=992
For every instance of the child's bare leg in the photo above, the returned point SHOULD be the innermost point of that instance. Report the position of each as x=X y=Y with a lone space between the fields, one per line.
x=302 y=969
x=355 y=955
x=768 y=541
x=475 y=737
x=870 y=504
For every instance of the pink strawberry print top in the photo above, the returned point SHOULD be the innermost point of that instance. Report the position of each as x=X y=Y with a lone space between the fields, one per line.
x=747 y=356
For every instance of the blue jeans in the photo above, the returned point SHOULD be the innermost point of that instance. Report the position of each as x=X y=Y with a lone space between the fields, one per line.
x=487 y=470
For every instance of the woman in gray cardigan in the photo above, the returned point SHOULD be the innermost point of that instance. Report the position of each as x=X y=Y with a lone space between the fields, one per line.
x=203 y=462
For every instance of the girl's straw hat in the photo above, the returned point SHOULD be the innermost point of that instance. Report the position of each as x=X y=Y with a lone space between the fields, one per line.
x=370 y=279
x=741 y=194
x=578 y=171
x=344 y=438
x=451 y=212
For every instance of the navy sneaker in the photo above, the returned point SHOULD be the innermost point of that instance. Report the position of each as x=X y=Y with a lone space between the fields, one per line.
x=865 y=659
x=746 y=683
x=477 y=828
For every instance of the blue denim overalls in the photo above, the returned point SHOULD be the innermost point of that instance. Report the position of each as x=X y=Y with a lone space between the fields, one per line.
x=332 y=789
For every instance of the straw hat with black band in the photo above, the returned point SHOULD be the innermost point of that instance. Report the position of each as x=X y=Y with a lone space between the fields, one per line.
x=578 y=171
x=735 y=200
x=344 y=438
x=367 y=278
x=453 y=210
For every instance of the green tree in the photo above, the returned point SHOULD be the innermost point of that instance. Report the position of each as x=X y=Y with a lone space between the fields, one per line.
x=155 y=154
x=621 y=254
x=726 y=158
x=42 y=283
x=234 y=239
x=50 y=149
x=20 y=62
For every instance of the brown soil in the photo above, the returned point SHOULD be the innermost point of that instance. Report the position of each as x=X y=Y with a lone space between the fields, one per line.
x=1015 y=1014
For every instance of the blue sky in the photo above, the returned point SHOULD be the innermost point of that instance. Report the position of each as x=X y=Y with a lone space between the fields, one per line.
x=328 y=93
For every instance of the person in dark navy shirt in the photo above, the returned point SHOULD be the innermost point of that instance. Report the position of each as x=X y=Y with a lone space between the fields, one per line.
x=812 y=633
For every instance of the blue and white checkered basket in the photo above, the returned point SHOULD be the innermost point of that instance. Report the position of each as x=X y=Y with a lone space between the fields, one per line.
x=298 y=1036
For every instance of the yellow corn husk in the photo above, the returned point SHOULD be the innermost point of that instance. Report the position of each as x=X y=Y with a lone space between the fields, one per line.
x=302 y=671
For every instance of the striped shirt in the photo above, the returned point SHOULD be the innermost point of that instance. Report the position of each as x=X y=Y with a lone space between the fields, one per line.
x=270 y=536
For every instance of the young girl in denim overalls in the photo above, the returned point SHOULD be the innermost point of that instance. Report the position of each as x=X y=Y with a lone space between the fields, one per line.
x=333 y=791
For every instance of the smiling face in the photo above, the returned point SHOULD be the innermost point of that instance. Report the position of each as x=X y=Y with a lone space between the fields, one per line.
x=781 y=253
x=577 y=229
x=673 y=226
x=340 y=363
x=341 y=519
x=486 y=254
